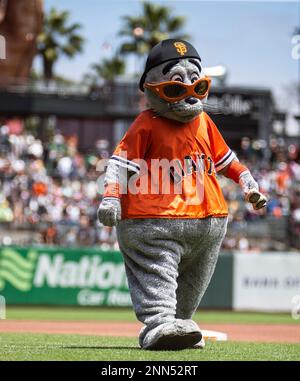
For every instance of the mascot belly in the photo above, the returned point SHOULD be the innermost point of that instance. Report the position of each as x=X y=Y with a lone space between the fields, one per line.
x=162 y=194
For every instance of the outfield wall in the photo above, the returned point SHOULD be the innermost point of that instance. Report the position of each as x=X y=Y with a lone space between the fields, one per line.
x=91 y=277
x=255 y=282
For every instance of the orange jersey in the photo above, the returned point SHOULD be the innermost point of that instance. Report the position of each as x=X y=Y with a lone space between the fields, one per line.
x=175 y=167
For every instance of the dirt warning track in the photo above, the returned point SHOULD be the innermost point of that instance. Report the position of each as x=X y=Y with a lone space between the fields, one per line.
x=267 y=333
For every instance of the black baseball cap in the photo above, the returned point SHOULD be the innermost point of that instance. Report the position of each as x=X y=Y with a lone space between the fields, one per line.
x=168 y=50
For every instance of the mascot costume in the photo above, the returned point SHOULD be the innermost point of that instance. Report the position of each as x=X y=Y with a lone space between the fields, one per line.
x=170 y=240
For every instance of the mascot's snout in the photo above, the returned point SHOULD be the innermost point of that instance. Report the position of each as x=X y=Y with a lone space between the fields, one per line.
x=191 y=100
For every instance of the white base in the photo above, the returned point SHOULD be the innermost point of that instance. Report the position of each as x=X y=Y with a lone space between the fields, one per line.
x=214 y=335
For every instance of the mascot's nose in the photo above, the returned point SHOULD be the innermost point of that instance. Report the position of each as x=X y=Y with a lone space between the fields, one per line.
x=191 y=100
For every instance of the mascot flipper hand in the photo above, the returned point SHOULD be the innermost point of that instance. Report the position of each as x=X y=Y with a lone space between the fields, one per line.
x=251 y=191
x=170 y=239
x=109 y=211
x=241 y=175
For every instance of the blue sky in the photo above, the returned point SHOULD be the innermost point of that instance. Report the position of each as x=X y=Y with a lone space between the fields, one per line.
x=252 y=39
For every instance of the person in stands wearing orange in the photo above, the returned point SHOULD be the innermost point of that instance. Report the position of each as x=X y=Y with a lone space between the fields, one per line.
x=162 y=193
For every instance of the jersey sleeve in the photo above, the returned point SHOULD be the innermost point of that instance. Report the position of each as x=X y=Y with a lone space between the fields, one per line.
x=222 y=154
x=134 y=145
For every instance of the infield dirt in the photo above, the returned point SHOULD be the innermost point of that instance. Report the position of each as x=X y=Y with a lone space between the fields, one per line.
x=273 y=333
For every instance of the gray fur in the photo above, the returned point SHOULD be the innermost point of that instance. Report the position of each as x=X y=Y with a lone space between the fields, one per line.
x=169 y=264
x=115 y=174
x=109 y=211
x=251 y=191
x=247 y=182
x=180 y=111
x=167 y=335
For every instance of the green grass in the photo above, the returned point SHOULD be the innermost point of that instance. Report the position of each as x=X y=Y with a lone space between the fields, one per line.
x=23 y=347
x=127 y=315
x=26 y=346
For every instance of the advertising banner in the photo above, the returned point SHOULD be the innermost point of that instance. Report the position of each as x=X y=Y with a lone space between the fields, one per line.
x=266 y=282
x=93 y=277
x=63 y=276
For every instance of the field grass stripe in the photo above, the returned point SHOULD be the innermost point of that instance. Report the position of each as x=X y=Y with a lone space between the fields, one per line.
x=24 y=264
x=20 y=285
x=16 y=271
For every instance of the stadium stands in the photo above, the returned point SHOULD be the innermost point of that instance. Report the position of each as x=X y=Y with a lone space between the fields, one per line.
x=49 y=195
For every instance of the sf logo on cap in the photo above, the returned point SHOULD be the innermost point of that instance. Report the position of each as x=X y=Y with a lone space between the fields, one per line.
x=181 y=48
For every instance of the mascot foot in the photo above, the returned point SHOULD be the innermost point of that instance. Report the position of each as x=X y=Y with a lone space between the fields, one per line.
x=175 y=342
x=200 y=344
x=176 y=335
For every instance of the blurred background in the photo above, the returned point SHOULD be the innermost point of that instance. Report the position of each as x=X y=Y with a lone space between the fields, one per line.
x=68 y=92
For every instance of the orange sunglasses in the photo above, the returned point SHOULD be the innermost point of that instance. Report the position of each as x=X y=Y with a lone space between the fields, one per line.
x=174 y=91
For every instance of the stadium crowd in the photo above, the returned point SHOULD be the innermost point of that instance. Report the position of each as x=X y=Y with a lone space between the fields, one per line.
x=51 y=189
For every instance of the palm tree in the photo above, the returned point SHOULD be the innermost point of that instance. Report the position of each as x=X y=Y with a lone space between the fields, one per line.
x=109 y=69
x=58 y=38
x=155 y=24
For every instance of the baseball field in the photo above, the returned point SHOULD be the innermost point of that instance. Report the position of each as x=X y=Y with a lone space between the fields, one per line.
x=38 y=333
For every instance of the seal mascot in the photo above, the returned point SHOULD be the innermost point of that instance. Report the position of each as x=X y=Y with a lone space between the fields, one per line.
x=162 y=193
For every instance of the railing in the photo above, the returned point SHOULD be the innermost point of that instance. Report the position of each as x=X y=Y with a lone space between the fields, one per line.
x=122 y=95
x=43 y=87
